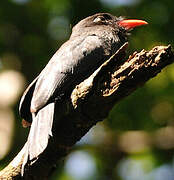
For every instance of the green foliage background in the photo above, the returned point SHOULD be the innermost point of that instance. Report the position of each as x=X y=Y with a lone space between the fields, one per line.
x=136 y=141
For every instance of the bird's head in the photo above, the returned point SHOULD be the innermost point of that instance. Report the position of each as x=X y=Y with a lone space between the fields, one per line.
x=106 y=20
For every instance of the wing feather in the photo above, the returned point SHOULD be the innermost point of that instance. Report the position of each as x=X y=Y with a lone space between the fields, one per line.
x=70 y=65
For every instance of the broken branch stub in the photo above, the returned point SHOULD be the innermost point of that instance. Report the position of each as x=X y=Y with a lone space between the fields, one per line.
x=108 y=87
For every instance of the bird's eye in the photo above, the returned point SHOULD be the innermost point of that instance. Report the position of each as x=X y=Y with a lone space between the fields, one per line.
x=99 y=19
x=107 y=17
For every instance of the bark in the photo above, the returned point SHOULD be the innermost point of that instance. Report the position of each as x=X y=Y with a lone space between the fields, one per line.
x=90 y=102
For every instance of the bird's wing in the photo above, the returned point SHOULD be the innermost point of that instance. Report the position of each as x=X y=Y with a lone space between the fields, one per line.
x=69 y=66
x=71 y=61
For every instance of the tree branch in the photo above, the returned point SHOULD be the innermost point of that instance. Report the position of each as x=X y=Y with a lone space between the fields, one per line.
x=90 y=102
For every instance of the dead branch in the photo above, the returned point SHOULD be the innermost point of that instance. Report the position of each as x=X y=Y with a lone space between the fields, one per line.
x=110 y=83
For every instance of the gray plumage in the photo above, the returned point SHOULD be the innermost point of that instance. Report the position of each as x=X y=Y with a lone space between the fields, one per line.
x=93 y=41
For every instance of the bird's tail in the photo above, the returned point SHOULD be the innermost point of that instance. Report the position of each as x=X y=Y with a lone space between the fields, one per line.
x=41 y=129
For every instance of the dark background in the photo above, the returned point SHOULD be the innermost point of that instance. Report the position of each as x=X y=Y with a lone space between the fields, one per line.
x=136 y=141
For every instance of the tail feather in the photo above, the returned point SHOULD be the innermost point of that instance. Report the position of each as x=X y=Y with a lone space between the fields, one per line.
x=41 y=129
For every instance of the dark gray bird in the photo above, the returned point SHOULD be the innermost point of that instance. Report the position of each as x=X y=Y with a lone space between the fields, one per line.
x=93 y=41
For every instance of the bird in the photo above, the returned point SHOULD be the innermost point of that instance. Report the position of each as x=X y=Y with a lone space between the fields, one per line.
x=92 y=41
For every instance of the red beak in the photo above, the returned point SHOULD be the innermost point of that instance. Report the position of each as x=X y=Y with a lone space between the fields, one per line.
x=131 y=23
